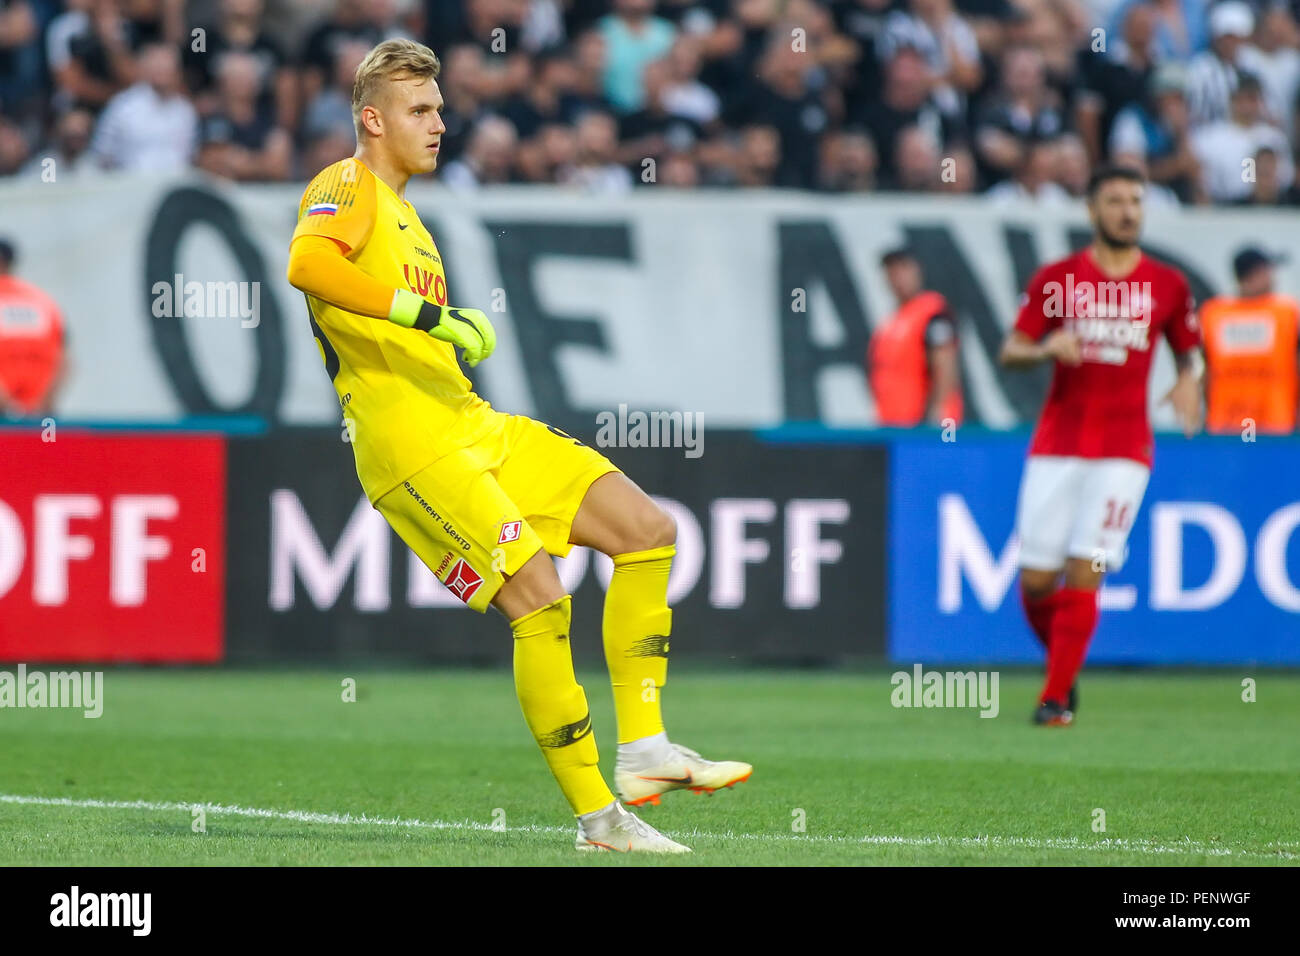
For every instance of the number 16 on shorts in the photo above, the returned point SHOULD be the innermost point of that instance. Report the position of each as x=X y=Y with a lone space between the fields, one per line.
x=1078 y=508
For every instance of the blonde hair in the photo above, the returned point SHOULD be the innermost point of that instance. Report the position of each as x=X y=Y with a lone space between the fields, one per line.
x=391 y=60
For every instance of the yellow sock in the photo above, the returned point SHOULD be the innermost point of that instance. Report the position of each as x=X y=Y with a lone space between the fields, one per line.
x=636 y=625
x=554 y=706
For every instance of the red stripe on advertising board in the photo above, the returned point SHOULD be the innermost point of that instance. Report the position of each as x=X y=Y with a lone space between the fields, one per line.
x=112 y=547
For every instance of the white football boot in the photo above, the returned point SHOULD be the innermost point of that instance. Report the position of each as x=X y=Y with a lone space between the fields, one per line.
x=641 y=778
x=613 y=828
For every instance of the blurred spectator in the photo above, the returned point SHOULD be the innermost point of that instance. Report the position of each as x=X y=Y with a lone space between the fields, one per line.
x=1158 y=128
x=905 y=102
x=488 y=159
x=549 y=156
x=69 y=151
x=496 y=28
x=150 y=125
x=785 y=98
x=328 y=127
x=1275 y=59
x=542 y=24
x=1023 y=110
x=757 y=156
x=654 y=130
x=960 y=176
x=1154 y=195
x=862 y=21
x=1072 y=166
x=861 y=94
x=848 y=162
x=239 y=29
x=594 y=167
x=912 y=362
x=1112 y=79
x=1180 y=26
x=589 y=57
x=679 y=171
x=831 y=53
x=1055 y=28
x=153 y=21
x=684 y=96
x=13 y=147
x=32 y=344
x=946 y=43
x=240 y=139
x=1034 y=179
x=1226 y=149
x=693 y=16
x=916 y=160
x=988 y=20
x=18 y=64
x=463 y=94
x=88 y=53
x=633 y=37
x=1251 y=342
x=1268 y=189
x=549 y=98
x=350 y=20
x=1213 y=73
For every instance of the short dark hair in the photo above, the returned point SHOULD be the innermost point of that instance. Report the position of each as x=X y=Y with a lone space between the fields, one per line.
x=896 y=255
x=1108 y=171
x=1247 y=83
x=7 y=254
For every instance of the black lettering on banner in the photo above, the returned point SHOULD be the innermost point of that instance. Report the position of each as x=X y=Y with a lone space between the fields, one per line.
x=1024 y=258
x=810 y=255
x=519 y=248
x=1024 y=388
x=181 y=210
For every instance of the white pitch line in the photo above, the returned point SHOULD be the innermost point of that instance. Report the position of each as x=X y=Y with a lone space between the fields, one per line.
x=1275 y=850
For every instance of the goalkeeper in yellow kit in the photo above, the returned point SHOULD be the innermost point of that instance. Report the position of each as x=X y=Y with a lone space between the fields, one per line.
x=484 y=497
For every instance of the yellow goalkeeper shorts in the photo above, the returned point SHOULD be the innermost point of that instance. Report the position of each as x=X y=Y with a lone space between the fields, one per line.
x=477 y=515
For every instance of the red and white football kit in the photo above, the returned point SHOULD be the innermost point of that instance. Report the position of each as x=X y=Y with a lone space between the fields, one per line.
x=1091 y=452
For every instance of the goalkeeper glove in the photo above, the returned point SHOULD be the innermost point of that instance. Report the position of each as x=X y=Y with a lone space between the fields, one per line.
x=467 y=328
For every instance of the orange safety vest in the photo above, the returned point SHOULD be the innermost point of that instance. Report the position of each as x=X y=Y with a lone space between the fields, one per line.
x=898 y=367
x=1250 y=354
x=31 y=343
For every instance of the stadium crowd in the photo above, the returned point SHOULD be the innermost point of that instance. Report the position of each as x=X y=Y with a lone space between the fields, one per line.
x=1010 y=98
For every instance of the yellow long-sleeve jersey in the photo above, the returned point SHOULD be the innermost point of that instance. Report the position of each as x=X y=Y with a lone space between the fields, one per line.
x=405 y=400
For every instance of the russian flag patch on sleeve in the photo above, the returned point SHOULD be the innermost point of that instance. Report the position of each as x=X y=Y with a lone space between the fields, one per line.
x=323 y=209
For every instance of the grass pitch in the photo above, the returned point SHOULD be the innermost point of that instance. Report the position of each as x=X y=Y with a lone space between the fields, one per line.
x=436 y=767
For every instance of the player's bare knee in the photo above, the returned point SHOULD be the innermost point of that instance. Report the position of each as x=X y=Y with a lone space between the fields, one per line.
x=658 y=529
x=1082 y=574
x=535 y=585
x=1037 y=584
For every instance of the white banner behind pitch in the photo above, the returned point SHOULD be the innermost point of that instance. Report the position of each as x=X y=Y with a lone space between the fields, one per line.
x=748 y=309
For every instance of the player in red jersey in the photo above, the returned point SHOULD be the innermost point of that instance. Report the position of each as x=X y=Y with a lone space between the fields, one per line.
x=1097 y=315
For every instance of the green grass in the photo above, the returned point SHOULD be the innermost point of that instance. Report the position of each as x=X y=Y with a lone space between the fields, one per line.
x=1185 y=771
